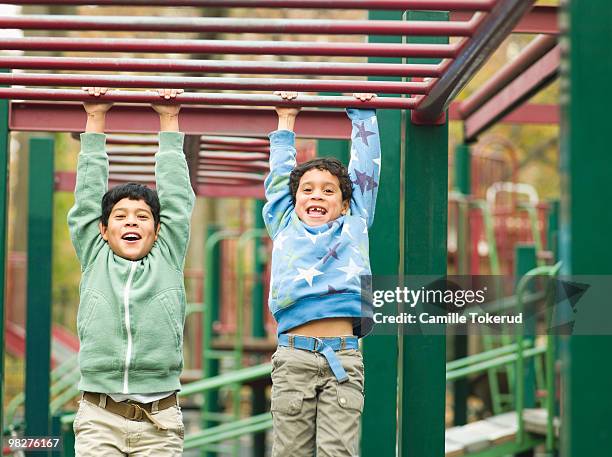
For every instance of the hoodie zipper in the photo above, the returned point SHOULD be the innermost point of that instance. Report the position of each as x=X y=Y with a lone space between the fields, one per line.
x=126 y=309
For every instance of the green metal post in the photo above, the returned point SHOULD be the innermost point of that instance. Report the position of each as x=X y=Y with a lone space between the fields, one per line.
x=586 y=219
x=4 y=155
x=463 y=185
x=38 y=322
x=525 y=255
x=426 y=212
x=552 y=236
x=257 y=323
x=379 y=423
x=210 y=365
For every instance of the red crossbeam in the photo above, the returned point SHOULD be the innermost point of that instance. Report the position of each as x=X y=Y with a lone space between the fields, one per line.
x=452 y=5
x=233 y=156
x=532 y=52
x=185 y=82
x=541 y=19
x=530 y=82
x=219 y=66
x=233 y=25
x=207 y=99
x=172 y=46
x=202 y=120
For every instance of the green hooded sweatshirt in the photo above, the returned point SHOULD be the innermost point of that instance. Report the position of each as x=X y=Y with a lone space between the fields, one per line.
x=131 y=313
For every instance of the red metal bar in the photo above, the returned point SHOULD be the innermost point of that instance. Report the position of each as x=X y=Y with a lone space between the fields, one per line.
x=207 y=99
x=132 y=140
x=246 y=142
x=184 y=82
x=233 y=25
x=528 y=113
x=232 y=175
x=65 y=181
x=250 y=149
x=229 y=166
x=219 y=66
x=532 y=52
x=220 y=191
x=492 y=29
x=541 y=19
x=235 y=156
x=201 y=120
x=531 y=81
x=255 y=143
x=456 y=5
x=242 y=143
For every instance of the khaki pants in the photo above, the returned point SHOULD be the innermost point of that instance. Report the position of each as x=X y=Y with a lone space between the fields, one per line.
x=312 y=413
x=100 y=433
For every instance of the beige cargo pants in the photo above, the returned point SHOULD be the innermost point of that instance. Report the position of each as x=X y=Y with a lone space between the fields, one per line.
x=312 y=413
x=100 y=433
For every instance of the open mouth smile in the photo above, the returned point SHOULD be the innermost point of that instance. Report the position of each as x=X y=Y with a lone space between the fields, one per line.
x=131 y=237
x=316 y=211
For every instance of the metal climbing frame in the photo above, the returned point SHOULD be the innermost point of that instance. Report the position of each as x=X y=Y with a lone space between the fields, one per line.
x=481 y=34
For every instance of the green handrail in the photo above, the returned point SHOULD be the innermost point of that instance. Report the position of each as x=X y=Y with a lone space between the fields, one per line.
x=532 y=213
x=482 y=356
x=550 y=272
x=229 y=430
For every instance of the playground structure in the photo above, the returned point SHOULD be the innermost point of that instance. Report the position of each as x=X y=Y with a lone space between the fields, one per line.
x=412 y=421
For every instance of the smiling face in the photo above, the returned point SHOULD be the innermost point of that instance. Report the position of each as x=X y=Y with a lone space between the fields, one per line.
x=318 y=199
x=131 y=230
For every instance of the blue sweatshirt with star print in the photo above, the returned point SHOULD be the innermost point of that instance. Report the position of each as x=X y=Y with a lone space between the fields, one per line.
x=316 y=270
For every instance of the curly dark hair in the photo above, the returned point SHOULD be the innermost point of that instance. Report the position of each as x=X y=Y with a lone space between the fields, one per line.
x=131 y=191
x=334 y=166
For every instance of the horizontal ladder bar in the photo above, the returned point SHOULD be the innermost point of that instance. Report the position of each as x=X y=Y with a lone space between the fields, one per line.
x=207 y=99
x=234 y=25
x=218 y=66
x=185 y=82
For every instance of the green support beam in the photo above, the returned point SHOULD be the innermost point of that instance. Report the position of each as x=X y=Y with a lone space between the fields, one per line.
x=258 y=329
x=463 y=184
x=423 y=357
x=586 y=219
x=463 y=170
x=4 y=167
x=380 y=352
x=525 y=255
x=39 y=296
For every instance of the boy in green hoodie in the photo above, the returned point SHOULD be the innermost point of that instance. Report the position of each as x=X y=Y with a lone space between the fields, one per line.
x=131 y=242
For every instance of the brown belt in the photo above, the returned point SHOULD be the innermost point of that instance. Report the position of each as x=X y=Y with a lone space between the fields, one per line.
x=133 y=410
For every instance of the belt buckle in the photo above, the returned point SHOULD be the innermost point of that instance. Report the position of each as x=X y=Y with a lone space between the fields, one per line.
x=135 y=412
x=316 y=343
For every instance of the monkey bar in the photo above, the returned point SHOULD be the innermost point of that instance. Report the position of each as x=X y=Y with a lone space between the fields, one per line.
x=174 y=46
x=402 y=5
x=482 y=27
x=220 y=66
x=232 y=25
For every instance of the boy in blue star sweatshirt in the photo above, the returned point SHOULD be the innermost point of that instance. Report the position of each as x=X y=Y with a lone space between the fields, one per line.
x=318 y=215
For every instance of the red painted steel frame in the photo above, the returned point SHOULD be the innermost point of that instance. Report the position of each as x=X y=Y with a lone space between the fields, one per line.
x=208 y=99
x=541 y=19
x=531 y=81
x=254 y=143
x=173 y=46
x=490 y=31
x=204 y=120
x=232 y=25
x=231 y=121
x=184 y=82
x=65 y=182
x=219 y=66
x=456 y=5
x=532 y=52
